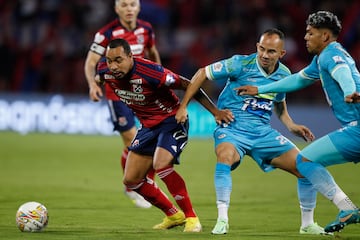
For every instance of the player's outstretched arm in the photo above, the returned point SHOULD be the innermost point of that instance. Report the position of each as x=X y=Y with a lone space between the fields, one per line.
x=299 y=130
x=193 y=89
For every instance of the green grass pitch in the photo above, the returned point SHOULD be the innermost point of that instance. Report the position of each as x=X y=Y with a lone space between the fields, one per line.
x=78 y=178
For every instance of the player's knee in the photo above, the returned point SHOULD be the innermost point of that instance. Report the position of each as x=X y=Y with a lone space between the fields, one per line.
x=132 y=184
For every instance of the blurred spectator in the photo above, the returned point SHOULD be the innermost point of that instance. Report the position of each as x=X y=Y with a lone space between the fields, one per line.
x=43 y=43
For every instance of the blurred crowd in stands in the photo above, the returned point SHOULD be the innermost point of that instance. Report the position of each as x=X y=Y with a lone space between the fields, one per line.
x=43 y=43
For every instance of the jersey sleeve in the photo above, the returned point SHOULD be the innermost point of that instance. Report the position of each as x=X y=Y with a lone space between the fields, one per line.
x=311 y=72
x=223 y=69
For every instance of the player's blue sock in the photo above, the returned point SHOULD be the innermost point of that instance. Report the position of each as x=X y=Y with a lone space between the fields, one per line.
x=223 y=183
x=307 y=199
x=306 y=194
x=318 y=175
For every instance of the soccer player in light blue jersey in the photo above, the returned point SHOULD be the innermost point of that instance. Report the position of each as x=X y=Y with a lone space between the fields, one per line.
x=340 y=79
x=250 y=133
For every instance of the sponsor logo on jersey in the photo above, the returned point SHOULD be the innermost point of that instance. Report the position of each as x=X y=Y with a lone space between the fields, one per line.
x=136 y=81
x=217 y=67
x=139 y=31
x=338 y=59
x=137 y=49
x=118 y=32
x=99 y=38
x=136 y=142
x=127 y=95
x=169 y=79
x=221 y=136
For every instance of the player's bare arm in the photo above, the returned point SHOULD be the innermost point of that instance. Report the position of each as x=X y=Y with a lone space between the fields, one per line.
x=302 y=131
x=247 y=90
x=95 y=91
x=199 y=94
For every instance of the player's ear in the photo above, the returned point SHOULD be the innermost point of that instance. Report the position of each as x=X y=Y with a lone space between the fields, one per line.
x=282 y=53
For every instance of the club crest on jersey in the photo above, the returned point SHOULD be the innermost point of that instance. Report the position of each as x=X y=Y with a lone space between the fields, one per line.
x=217 y=67
x=137 y=88
x=122 y=121
x=140 y=39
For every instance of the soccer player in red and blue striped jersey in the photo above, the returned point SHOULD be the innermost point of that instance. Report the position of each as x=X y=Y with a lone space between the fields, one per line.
x=147 y=88
x=141 y=38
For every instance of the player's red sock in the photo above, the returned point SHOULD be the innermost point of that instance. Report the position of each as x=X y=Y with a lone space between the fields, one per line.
x=177 y=188
x=155 y=196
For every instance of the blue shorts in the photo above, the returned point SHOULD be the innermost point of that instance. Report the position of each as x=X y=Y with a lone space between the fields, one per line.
x=168 y=134
x=262 y=144
x=337 y=147
x=121 y=116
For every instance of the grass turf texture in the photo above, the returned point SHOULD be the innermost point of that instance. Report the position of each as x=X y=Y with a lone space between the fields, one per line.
x=78 y=178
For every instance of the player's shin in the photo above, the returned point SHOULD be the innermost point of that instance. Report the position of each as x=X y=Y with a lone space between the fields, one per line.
x=223 y=187
x=307 y=200
x=148 y=189
x=176 y=186
x=323 y=182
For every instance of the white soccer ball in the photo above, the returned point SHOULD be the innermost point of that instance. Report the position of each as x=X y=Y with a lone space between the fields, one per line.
x=32 y=217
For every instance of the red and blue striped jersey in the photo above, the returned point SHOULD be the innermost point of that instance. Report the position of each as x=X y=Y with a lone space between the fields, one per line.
x=146 y=89
x=140 y=39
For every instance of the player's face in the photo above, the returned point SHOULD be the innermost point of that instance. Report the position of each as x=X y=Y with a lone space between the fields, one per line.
x=314 y=38
x=118 y=61
x=128 y=10
x=270 y=49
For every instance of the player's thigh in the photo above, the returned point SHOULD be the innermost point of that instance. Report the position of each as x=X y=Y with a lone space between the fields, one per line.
x=128 y=136
x=162 y=158
x=270 y=146
x=137 y=166
x=287 y=161
x=227 y=153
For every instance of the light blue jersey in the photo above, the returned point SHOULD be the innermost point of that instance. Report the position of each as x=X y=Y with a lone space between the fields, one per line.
x=241 y=70
x=250 y=132
x=342 y=145
x=322 y=67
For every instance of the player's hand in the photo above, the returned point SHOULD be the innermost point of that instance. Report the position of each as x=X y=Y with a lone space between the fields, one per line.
x=181 y=115
x=353 y=98
x=302 y=131
x=224 y=116
x=247 y=90
x=95 y=92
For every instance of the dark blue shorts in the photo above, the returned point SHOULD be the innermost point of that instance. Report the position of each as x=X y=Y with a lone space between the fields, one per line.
x=121 y=116
x=168 y=135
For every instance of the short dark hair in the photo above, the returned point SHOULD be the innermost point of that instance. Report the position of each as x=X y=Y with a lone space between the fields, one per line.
x=276 y=31
x=119 y=42
x=325 y=19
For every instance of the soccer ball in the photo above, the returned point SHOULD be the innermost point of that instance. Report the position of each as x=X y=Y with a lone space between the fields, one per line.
x=32 y=217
